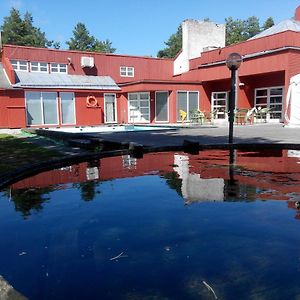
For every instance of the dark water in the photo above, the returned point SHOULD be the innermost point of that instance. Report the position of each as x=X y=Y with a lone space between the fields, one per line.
x=191 y=220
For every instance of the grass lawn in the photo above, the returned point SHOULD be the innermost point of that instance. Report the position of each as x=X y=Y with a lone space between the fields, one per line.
x=17 y=152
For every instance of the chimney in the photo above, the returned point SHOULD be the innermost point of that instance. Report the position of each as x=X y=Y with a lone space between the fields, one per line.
x=297 y=14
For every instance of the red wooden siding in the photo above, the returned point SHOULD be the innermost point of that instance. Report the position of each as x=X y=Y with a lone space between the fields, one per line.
x=105 y=64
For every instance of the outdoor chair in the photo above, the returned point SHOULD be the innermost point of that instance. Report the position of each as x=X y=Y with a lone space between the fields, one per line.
x=262 y=114
x=241 y=116
x=197 y=116
x=182 y=115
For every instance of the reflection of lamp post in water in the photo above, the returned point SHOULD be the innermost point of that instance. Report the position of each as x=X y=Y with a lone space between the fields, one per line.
x=233 y=62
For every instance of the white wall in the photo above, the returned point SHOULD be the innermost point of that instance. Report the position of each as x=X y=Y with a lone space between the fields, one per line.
x=198 y=36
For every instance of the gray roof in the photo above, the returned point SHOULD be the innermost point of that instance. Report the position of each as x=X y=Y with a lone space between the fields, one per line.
x=289 y=24
x=65 y=81
x=4 y=82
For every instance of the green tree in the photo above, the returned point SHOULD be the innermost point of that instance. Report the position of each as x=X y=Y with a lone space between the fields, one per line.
x=251 y=27
x=83 y=41
x=234 y=31
x=104 y=46
x=268 y=23
x=242 y=30
x=174 y=44
x=18 y=31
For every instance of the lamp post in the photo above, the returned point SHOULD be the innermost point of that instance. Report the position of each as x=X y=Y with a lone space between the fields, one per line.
x=233 y=62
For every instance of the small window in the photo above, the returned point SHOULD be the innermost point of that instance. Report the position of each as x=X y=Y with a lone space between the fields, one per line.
x=19 y=65
x=127 y=71
x=58 y=68
x=39 y=66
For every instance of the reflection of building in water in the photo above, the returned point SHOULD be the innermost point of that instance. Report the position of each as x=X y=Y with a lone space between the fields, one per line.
x=194 y=188
x=129 y=162
x=92 y=170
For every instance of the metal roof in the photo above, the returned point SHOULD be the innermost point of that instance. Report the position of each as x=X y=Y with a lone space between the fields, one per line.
x=289 y=24
x=4 y=82
x=63 y=81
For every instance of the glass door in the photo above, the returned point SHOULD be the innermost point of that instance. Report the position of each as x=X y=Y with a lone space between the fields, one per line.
x=67 y=101
x=139 y=108
x=161 y=107
x=110 y=108
x=219 y=105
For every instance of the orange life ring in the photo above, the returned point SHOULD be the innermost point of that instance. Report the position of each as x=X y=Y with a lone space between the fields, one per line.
x=91 y=101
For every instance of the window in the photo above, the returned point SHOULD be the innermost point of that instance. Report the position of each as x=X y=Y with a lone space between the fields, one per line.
x=58 y=68
x=139 y=107
x=161 y=106
x=127 y=71
x=39 y=67
x=19 y=65
x=219 y=103
x=188 y=102
x=67 y=100
x=110 y=108
x=272 y=98
x=41 y=108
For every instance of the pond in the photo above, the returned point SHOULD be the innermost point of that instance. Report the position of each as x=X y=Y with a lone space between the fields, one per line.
x=168 y=226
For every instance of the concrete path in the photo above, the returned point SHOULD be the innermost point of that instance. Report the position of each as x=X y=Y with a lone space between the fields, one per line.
x=258 y=133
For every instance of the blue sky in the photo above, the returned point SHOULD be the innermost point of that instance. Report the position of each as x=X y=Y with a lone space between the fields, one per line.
x=139 y=27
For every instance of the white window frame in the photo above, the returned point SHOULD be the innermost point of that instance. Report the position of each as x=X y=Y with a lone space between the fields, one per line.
x=16 y=64
x=213 y=107
x=74 y=104
x=39 y=67
x=59 y=68
x=116 y=115
x=125 y=71
x=188 y=101
x=168 y=102
x=269 y=96
x=42 y=110
x=139 y=99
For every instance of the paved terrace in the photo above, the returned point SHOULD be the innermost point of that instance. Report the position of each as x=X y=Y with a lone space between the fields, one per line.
x=207 y=135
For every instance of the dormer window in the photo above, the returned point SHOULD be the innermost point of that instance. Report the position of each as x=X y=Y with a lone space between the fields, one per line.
x=37 y=66
x=126 y=71
x=58 y=68
x=19 y=65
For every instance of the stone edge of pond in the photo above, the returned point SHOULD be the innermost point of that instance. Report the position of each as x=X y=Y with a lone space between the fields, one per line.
x=8 y=292
x=135 y=150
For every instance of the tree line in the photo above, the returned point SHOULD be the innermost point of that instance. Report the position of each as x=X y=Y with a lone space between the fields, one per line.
x=21 y=31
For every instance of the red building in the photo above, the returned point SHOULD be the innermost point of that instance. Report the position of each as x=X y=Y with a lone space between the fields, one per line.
x=47 y=87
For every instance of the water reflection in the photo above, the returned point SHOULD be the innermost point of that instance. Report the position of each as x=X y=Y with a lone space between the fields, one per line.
x=179 y=220
x=210 y=176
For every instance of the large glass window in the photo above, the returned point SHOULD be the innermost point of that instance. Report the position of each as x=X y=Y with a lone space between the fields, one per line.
x=188 y=102
x=49 y=101
x=271 y=98
x=161 y=106
x=34 y=108
x=67 y=101
x=41 y=108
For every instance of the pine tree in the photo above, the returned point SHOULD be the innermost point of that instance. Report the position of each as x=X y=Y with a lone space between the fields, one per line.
x=83 y=41
x=18 y=31
x=174 y=44
x=268 y=23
